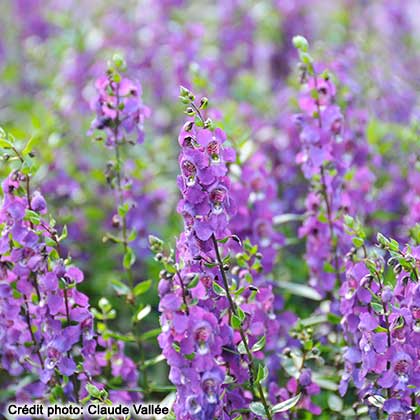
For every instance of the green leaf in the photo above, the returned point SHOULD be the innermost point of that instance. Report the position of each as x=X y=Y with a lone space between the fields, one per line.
x=123 y=209
x=120 y=287
x=235 y=322
x=149 y=335
x=335 y=403
x=132 y=236
x=333 y=318
x=241 y=348
x=193 y=282
x=258 y=409
x=93 y=391
x=348 y=220
x=29 y=145
x=33 y=217
x=129 y=258
x=300 y=290
x=218 y=289
x=377 y=307
x=262 y=373
x=328 y=267
x=286 y=405
x=358 y=242
x=325 y=383
x=64 y=233
x=382 y=239
x=154 y=361
x=259 y=345
x=28 y=165
x=142 y=313
x=223 y=240
x=286 y=218
x=142 y=287
x=49 y=242
x=379 y=329
x=124 y=338
x=5 y=144
x=241 y=314
x=394 y=245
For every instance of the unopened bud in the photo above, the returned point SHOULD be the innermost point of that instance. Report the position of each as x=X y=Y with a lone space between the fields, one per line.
x=204 y=102
x=300 y=43
x=183 y=91
x=398 y=269
x=190 y=111
x=188 y=126
x=116 y=221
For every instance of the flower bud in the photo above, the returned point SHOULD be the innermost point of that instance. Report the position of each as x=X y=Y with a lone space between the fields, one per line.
x=300 y=43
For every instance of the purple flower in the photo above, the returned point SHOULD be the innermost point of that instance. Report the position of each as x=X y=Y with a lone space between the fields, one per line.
x=197 y=339
x=45 y=321
x=119 y=109
x=381 y=333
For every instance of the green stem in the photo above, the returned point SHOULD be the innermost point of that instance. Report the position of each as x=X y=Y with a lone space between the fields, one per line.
x=28 y=322
x=331 y=227
x=233 y=309
x=125 y=242
x=388 y=332
x=128 y=271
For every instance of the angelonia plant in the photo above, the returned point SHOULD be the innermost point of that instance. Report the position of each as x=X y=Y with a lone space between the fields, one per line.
x=252 y=256
x=214 y=321
x=380 y=308
x=46 y=323
x=120 y=115
x=321 y=159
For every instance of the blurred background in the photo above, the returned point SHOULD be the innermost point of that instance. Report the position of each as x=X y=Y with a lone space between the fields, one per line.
x=240 y=55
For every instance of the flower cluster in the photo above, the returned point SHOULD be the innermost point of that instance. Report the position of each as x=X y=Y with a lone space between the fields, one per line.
x=191 y=337
x=132 y=214
x=274 y=303
x=45 y=323
x=257 y=206
x=206 y=336
x=321 y=159
x=381 y=325
x=207 y=204
x=119 y=107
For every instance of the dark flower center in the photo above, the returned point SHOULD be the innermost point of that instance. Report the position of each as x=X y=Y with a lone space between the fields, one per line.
x=202 y=334
x=415 y=310
x=217 y=195
x=213 y=150
x=188 y=168
x=402 y=367
x=189 y=142
x=209 y=388
x=397 y=416
x=192 y=405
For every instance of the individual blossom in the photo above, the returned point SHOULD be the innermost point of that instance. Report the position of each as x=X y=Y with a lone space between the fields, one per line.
x=380 y=328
